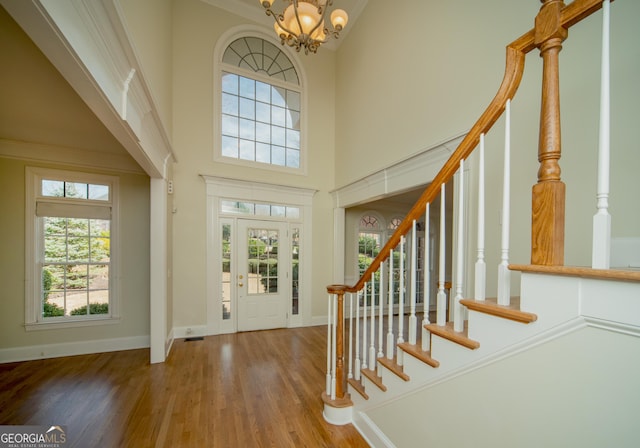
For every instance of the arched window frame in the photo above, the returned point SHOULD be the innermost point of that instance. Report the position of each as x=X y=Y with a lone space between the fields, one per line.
x=379 y=229
x=219 y=66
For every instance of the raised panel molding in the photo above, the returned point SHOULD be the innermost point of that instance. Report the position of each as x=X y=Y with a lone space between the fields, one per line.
x=415 y=170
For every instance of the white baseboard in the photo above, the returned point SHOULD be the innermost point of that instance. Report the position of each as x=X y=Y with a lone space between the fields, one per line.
x=370 y=431
x=32 y=352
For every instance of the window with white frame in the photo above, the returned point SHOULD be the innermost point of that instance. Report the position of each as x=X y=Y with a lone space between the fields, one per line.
x=370 y=240
x=71 y=235
x=260 y=106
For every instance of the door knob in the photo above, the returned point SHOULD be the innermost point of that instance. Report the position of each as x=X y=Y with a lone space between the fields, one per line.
x=240 y=285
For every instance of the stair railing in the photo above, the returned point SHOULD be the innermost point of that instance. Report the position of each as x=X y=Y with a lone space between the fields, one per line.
x=547 y=232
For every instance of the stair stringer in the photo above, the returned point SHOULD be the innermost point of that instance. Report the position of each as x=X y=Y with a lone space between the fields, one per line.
x=368 y=423
x=558 y=302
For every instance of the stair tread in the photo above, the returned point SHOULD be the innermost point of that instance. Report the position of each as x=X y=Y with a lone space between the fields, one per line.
x=374 y=378
x=343 y=402
x=490 y=306
x=459 y=337
x=357 y=385
x=578 y=271
x=392 y=364
x=417 y=352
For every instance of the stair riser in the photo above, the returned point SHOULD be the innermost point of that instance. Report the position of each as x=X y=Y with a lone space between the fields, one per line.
x=496 y=333
x=618 y=302
x=552 y=298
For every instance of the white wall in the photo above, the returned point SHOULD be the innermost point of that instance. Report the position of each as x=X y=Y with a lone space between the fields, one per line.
x=413 y=75
x=555 y=395
x=56 y=129
x=149 y=25
x=197 y=27
x=133 y=330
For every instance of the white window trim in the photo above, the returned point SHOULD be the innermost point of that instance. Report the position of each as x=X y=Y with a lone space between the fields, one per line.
x=223 y=42
x=382 y=231
x=33 y=285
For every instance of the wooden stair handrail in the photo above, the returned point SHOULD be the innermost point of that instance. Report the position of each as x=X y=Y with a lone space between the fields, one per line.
x=514 y=70
x=551 y=24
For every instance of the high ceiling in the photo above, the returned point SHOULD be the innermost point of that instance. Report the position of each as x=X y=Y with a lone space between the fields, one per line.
x=39 y=106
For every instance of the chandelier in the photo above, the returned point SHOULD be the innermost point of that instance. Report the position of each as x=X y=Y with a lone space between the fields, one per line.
x=301 y=24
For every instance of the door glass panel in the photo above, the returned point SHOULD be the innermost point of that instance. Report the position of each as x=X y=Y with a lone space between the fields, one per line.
x=226 y=271
x=262 y=259
x=295 y=262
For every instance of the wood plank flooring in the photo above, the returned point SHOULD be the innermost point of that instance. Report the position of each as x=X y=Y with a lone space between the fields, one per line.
x=255 y=389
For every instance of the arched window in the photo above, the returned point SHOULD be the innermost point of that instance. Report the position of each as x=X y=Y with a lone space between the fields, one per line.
x=260 y=106
x=370 y=240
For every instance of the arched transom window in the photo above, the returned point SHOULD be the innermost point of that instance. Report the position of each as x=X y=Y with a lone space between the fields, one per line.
x=261 y=105
x=370 y=240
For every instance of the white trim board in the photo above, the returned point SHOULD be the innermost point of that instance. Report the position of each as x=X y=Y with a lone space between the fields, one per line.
x=415 y=170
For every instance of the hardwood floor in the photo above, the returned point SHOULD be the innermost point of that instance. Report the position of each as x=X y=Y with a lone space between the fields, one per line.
x=256 y=389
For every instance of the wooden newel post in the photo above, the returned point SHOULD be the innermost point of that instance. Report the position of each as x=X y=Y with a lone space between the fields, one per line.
x=341 y=379
x=548 y=195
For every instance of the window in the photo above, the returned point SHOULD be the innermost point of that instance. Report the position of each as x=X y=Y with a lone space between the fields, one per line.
x=260 y=106
x=295 y=270
x=369 y=241
x=71 y=238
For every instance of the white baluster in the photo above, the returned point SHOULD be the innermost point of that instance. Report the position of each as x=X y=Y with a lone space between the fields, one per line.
x=414 y=270
x=426 y=287
x=399 y=360
x=390 y=344
x=458 y=317
x=441 y=298
x=481 y=267
x=381 y=308
x=372 y=345
x=329 y=343
x=356 y=366
x=504 y=275
x=334 y=319
x=601 y=256
x=350 y=371
x=364 y=328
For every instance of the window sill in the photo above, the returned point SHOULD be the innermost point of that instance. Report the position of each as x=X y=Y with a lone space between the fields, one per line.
x=69 y=323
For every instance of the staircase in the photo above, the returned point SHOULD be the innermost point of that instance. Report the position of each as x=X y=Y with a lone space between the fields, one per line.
x=556 y=365
x=559 y=305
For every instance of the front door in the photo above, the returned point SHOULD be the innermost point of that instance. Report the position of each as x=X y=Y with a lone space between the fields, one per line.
x=262 y=285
